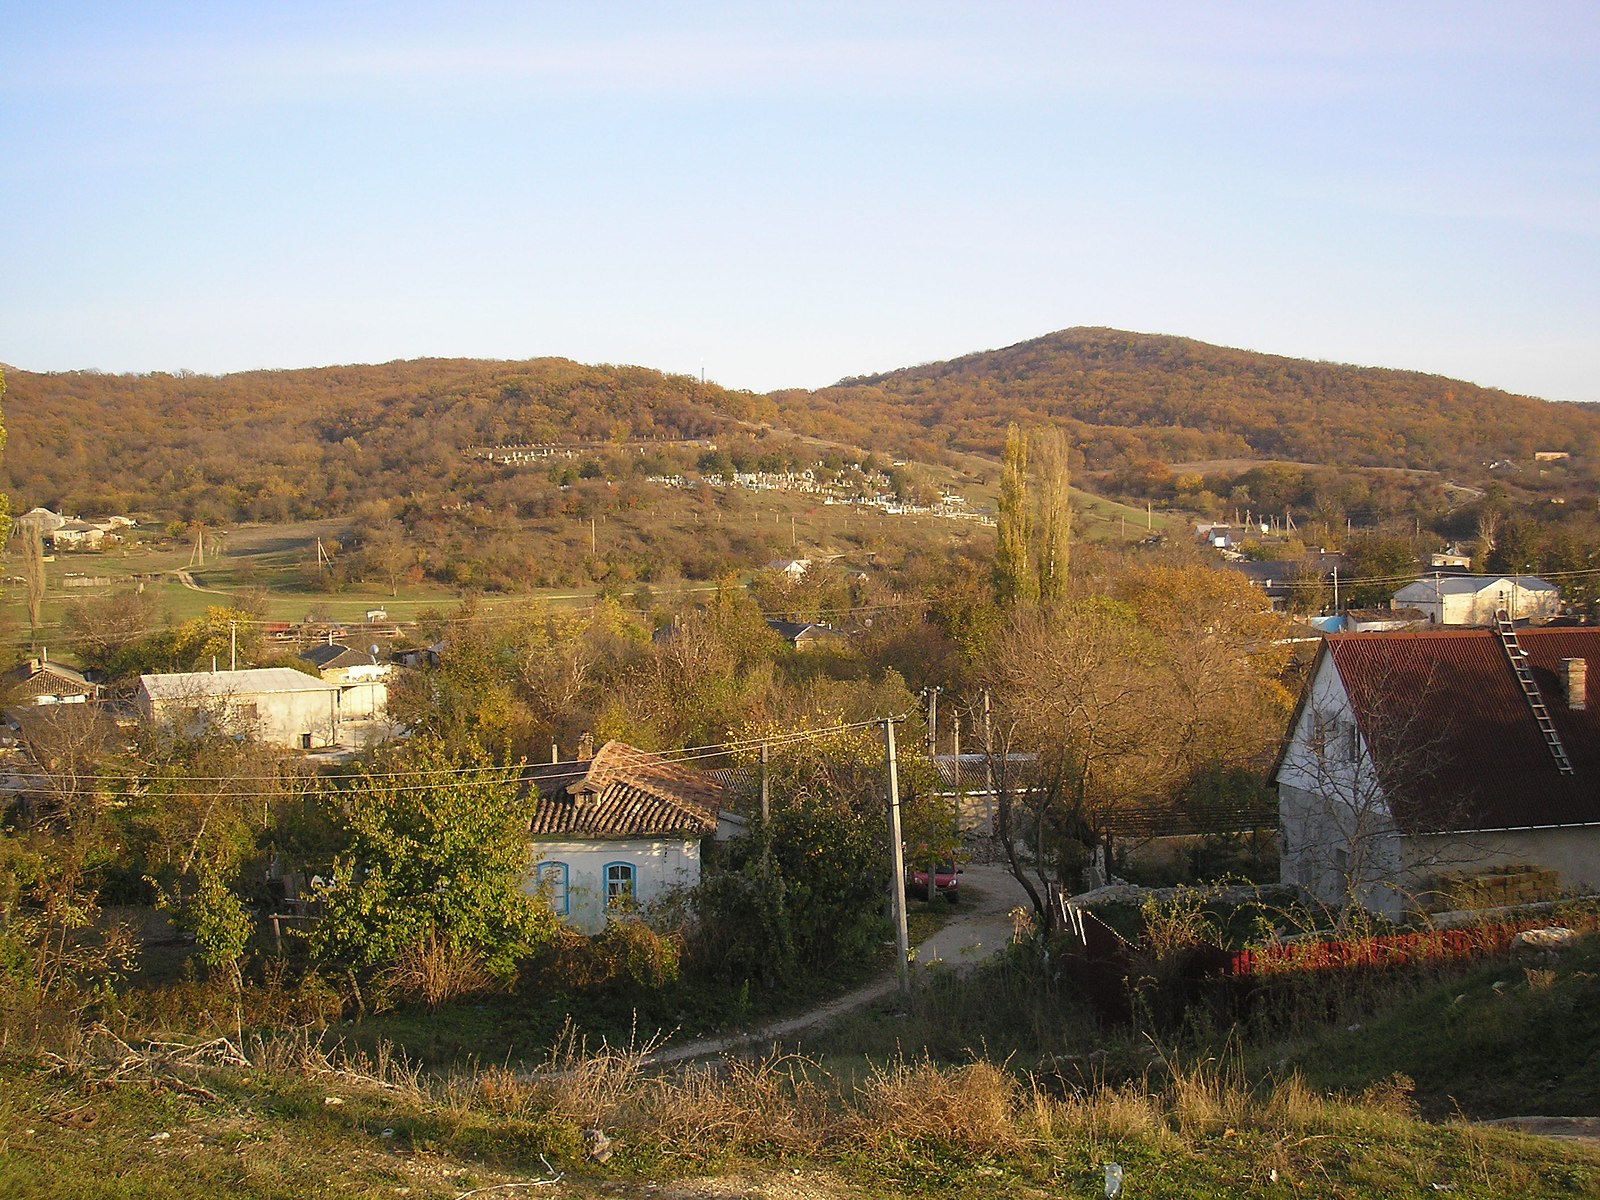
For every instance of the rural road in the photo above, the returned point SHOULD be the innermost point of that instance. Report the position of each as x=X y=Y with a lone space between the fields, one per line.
x=980 y=929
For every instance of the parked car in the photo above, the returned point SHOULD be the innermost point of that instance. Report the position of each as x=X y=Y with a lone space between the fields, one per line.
x=946 y=881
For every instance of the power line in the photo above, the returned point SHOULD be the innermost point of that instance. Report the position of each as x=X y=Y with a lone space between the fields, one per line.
x=421 y=779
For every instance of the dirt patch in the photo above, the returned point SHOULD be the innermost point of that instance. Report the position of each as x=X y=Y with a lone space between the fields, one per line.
x=790 y=1185
x=1586 y=1129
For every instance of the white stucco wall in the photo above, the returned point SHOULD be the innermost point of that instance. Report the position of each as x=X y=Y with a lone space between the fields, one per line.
x=281 y=718
x=1335 y=828
x=1477 y=608
x=363 y=689
x=659 y=865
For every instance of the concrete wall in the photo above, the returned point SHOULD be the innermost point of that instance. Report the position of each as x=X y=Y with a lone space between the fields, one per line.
x=1573 y=853
x=363 y=690
x=281 y=718
x=659 y=865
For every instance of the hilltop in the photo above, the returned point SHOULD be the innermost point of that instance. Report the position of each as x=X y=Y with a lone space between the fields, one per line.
x=1129 y=396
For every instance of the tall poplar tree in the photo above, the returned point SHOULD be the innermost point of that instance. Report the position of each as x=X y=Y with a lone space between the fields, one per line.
x=1014 y=577
x=1055 y=514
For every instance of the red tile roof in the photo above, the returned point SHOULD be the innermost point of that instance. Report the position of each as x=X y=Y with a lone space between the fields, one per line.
x=623 y=792
x=1456 y=742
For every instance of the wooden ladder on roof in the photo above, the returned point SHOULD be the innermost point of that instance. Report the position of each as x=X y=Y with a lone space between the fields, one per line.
x=1507 y=631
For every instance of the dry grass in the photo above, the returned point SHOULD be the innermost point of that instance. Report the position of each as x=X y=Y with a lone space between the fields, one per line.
x=974 y=1107
x=781 y=1102
x=434 y=972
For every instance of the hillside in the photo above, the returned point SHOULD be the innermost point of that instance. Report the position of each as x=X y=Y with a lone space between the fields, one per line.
x=1129 y=396
x=275 y=445
x=303 y=444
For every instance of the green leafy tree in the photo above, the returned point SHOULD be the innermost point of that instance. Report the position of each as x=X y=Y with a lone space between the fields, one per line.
x=437 y=857
x=1379 y=564
x=798 y=897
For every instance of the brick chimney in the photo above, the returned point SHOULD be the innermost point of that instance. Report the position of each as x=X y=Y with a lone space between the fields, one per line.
x=1574 y=672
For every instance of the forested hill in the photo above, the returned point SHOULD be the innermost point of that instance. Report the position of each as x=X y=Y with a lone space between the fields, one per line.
x=277 y=444
x=1131 y=396
x=270 y=445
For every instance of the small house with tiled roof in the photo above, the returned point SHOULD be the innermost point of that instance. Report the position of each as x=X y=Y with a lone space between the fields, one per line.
x=40 y=681
x=806 y=635
x=1417 y=760
x=617 y=830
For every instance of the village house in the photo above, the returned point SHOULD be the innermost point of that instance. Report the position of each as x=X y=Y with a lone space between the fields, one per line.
x=794 y=568
x=804 y=635
x=39 y=681
x=1474 y=599
x=77 y=535
x=362 y=680
x=617 y=831
x=1418 y=760
x=278 y=705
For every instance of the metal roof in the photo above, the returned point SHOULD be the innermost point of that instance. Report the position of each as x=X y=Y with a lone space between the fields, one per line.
x=202 y=685
x=1456 y=744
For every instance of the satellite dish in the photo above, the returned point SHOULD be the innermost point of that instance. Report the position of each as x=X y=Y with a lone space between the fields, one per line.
x=373 y=650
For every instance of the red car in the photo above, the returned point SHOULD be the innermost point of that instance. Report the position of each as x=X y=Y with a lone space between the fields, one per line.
x=945 y=882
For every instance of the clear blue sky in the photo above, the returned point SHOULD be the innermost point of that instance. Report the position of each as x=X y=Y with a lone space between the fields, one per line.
x=789 y=193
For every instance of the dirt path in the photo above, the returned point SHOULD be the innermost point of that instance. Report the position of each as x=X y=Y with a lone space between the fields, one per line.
x=981 y=929
x=186 y=578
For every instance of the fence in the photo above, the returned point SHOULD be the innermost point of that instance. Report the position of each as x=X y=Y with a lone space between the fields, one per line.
x=1387 y=950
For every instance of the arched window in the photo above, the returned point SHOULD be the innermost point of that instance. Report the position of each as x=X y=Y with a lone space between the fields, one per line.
x=621 y=883
x=552 y=877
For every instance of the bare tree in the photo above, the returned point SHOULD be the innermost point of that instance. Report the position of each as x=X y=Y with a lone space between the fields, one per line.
x=1350 y=791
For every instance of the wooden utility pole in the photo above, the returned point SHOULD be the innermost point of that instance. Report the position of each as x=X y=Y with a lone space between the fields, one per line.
x=988 y=767
x=766 y=799
x=766 y=816
x=897 y=865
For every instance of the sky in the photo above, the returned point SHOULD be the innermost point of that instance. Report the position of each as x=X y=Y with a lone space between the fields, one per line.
x=783 y=194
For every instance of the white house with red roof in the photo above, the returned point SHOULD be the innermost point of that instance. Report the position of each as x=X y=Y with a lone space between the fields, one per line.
x=618 y=831
x=1416 y=757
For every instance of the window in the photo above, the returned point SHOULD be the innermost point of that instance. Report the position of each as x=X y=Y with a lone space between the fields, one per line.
x=552 y=877
x=1317 y=739
x=621 y=879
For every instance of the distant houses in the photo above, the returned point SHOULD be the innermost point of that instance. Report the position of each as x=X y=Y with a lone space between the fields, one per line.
x=1474 y=599
x=58 y=532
